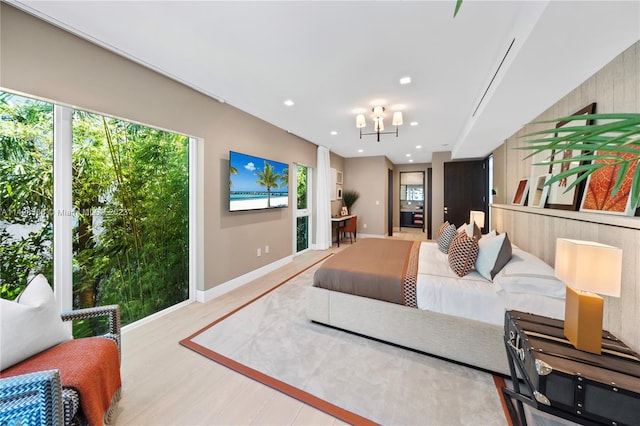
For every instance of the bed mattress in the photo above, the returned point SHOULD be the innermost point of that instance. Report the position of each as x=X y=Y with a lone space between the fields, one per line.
x=439 y=289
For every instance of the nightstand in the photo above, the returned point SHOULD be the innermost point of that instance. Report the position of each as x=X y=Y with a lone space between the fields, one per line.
x=558 y=379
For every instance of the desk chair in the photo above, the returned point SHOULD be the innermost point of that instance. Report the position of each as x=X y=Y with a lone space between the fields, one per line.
x=350 y=228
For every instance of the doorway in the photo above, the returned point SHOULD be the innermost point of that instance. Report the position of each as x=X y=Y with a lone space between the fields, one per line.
x=412 y=200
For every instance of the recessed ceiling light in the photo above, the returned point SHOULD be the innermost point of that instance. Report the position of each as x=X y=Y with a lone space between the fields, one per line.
x=405 y=80
x=413 y=123
x=408 y=155
x=361 y=151
x=289 y=102
x=333 y=133
x=411 y=161
x=418 y=146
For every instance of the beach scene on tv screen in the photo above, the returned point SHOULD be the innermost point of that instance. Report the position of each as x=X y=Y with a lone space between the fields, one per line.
x=257 y=183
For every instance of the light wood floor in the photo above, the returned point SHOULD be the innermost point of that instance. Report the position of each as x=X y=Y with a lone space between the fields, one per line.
x=165 y=383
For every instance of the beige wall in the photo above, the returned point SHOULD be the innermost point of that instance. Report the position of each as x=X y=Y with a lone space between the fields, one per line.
x=437 y=165
x=40 y=60
x=368 y=176
x=615 y=88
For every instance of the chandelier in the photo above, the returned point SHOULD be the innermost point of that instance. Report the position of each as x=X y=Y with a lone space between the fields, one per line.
x=378 y=122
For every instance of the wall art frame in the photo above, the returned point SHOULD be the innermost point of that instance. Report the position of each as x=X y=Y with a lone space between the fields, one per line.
x=520 y=196
x=597 y=197
x=558 y=197
x=538 y=191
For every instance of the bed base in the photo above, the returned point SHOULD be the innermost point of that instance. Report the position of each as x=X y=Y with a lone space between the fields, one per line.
x=458 y=339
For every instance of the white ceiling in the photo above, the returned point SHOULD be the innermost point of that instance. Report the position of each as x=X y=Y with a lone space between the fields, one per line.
x=334 y=57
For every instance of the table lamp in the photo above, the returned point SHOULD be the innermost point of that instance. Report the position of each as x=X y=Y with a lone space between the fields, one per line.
x=477 y=216
x=587 y=268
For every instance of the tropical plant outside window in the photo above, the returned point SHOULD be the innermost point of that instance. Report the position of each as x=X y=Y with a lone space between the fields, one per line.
x=130 y=211
x=302 y=222
x=130 y=234
x=26 y=192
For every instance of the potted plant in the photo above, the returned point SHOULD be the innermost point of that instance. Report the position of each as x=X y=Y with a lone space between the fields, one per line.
x=349 y=198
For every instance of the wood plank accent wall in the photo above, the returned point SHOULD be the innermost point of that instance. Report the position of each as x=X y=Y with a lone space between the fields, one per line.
x=536 y=230
x=615 y=88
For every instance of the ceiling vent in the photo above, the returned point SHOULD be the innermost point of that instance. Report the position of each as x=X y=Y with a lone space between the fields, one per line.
x=493 y=78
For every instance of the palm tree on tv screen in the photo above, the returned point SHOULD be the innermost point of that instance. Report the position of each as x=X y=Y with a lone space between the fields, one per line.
x=268 y=178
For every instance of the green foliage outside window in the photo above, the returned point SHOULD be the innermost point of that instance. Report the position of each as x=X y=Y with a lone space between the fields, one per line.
x=26 y=192
x=130 y=209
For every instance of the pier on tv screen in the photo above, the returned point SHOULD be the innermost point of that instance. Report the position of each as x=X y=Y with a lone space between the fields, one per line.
x=256 y=183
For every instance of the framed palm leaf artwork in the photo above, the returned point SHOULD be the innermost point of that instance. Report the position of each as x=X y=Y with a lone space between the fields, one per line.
x=599 y=196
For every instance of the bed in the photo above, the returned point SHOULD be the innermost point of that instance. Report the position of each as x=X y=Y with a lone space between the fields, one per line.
x=406 y=293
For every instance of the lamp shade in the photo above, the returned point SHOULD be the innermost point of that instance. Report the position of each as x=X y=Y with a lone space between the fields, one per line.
x=589 y=266
x=360 y=121
x=397 y=118
x=477 y=217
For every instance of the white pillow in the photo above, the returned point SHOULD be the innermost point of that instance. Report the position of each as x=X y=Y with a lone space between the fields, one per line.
x=471 y=229
x=525 y=273
x=30 y=324
x=494 y=253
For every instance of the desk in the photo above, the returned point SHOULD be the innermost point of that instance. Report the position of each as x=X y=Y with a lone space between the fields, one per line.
x=585 y=388
x=338 y=222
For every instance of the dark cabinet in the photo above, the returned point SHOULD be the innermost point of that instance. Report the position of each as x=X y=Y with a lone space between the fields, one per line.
x=412 y=219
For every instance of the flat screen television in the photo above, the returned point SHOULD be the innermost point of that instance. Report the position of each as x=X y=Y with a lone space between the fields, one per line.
x=256 y=183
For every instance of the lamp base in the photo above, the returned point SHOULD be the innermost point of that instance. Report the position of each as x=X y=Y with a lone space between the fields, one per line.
x=583 y=320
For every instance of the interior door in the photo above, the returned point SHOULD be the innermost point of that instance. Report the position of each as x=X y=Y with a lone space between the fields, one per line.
x=466 y=188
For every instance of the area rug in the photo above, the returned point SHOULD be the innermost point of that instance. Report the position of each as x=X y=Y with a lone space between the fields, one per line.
x=351 y=377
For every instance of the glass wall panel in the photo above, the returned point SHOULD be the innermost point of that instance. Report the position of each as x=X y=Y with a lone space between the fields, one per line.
x=131 y=213
x=26 y=192
x=302 y=233
x=302 y=207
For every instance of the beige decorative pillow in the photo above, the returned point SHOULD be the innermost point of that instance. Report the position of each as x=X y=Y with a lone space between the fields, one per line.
x=30 y=324
x=463 y=252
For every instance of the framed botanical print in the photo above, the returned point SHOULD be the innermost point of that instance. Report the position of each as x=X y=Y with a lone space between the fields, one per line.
x=559 y=197
x=598 y=196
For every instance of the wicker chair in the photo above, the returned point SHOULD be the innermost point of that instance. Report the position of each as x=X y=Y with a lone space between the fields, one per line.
x=38 y=398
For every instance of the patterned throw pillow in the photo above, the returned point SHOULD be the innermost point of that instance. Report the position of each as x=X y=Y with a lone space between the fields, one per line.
x=447 y=234
x=444 y=225
x=463 y=252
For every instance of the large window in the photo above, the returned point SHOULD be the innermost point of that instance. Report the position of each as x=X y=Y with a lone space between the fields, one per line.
x=131 y=222
x=26 y=192
x=129 y=214
x=302 y=207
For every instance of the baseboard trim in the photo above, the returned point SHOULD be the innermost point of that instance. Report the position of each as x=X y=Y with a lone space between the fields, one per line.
x=203 y=296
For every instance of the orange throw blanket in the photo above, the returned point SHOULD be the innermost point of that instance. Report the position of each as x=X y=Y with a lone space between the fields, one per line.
x=91 y=365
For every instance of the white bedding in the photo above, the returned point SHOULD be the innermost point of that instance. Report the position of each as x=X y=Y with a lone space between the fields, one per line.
x=439 y=289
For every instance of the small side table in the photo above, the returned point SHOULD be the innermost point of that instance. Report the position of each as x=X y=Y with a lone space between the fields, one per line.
x=563 y=381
